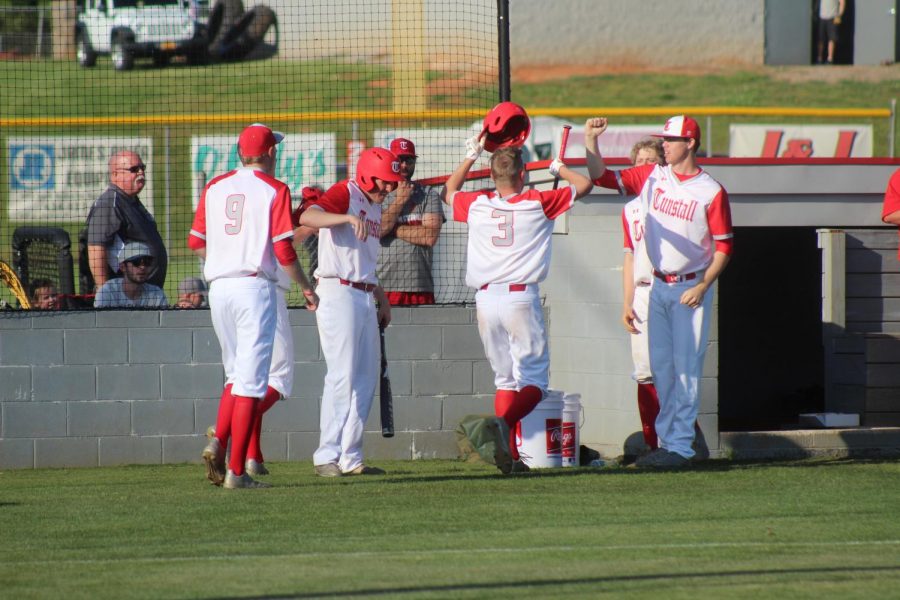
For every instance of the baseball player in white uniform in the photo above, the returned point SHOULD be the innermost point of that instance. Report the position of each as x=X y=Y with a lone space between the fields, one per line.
x=242 y=228
x=348 y=217
x=508 y=255
x=688 y=240
x=637 y=276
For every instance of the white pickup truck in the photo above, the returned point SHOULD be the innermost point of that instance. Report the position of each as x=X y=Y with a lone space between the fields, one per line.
x=129 y=29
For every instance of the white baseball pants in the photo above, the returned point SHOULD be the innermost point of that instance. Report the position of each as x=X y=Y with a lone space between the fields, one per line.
x=512 y=330
x=678 y=338
x=348 y=332
x=640 y=345
x=281 y=373
x=243 y=316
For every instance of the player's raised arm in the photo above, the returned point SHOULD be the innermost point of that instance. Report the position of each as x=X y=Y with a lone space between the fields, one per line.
x=582 y=184
x=474 y=148
x=593 y=129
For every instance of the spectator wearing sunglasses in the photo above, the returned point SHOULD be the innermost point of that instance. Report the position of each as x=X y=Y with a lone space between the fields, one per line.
x=132 y=290
x=119 y=217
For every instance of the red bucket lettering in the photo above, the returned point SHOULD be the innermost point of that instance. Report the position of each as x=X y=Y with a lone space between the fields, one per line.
x=554 y=436
x=568 y=439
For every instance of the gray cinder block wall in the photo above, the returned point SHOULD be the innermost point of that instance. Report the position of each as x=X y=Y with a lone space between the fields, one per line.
x=98 y=388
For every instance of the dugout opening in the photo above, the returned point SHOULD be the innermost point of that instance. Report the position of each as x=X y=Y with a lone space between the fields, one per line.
x=771 y=362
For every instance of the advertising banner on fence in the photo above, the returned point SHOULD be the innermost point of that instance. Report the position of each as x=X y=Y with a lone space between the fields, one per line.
x=800 y=141
x=57 y=179
x=303 y=159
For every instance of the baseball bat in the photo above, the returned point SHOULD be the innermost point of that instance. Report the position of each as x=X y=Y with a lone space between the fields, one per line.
x=562 y=150
x=9 y=277
x=387 y=397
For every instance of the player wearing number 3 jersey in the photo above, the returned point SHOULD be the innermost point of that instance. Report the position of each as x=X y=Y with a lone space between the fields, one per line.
x=508 y=252
x=243 y=229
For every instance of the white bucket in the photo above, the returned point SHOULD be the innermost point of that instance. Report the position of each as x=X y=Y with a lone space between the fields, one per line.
x=571 y=430
x=539 y=434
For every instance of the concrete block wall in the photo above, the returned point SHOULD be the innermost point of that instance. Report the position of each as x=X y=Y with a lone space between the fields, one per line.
x=101 y=388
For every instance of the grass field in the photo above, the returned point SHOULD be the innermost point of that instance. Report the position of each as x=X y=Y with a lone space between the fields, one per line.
x=445 y=529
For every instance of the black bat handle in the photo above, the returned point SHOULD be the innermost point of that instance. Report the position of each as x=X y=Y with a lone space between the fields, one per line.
x=386 y=396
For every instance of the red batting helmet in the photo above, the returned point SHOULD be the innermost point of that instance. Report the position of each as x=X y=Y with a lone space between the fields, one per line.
x=507 y=124
x=376 y=163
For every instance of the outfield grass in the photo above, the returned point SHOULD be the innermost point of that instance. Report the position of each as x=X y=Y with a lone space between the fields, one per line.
x=444 y=529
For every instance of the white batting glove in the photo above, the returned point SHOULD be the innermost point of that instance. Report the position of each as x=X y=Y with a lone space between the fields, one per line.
x=474 y=147
x=555 y=166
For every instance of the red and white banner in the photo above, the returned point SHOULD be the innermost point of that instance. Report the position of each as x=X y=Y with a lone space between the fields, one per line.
x=800 y=141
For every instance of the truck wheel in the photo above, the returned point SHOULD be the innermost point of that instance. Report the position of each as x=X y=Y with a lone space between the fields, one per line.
x=222 y=17
x=246 y=34
x=85 y=52
x=122 y=59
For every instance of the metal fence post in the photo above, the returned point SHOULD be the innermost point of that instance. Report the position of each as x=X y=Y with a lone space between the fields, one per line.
x=892 y=128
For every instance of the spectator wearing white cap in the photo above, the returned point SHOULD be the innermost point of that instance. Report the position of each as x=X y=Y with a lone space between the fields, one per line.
x=191 y=293
x=132 y=290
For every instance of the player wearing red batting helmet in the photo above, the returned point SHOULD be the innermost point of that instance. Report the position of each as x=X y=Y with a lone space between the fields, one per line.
x=348 y=217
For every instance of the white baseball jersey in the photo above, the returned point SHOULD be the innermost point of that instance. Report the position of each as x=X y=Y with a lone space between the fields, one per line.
x=683 y=215
x=633 y=230
x=341 y=254
x=240 y=215
x=509 y=238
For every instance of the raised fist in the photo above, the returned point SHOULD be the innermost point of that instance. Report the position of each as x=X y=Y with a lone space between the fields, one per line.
x=595 y=127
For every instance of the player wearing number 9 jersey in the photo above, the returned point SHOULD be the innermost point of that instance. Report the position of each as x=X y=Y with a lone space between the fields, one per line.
x=243 y=229
x=508 y=255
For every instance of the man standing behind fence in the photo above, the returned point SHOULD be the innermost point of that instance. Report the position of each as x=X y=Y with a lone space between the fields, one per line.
x=411 y=221
x=119 y=217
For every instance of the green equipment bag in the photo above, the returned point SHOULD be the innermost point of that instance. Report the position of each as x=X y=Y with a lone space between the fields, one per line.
x=484 y=438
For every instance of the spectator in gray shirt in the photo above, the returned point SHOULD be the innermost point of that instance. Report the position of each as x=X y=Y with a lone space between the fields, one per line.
x=119 y=217
x=411 y=220
x=132 y=290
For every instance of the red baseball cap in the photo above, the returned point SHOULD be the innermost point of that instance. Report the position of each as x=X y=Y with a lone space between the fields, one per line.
x=257 y=139
x=681 y=126
x=403 y=147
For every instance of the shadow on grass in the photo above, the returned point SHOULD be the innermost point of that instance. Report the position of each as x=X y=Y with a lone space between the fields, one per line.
x=549 y=583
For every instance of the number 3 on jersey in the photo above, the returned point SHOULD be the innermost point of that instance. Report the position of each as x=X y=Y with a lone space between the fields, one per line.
x=505 y=226
x=234 y=212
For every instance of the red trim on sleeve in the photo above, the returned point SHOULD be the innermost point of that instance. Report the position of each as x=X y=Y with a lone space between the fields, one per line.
x=195 y=243
x=633 y=179
x=891 y=195
x=556 y=202
x=284 y=251
x=607 y=180
x=725 y=246
x=336 y=200
x=462 y=201
x=198 y=227
x=718 y=215
x=626 y=231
